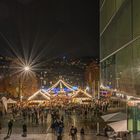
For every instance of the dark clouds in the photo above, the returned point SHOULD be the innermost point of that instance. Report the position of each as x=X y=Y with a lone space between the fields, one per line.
x=50 y=27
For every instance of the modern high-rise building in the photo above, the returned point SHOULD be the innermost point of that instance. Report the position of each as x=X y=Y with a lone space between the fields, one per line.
x=120 y=52
x=120 y=45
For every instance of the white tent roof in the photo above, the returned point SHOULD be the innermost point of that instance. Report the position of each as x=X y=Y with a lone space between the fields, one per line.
x=11 y=101
x=46 y=93
x=60 y=83
x=39 y=95
x=120 y=126
x=114 y=117
x=4 y=101
x=81 y=93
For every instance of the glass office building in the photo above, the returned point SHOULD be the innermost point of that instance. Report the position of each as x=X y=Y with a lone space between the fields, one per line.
x=120 y=52
x=120 y=45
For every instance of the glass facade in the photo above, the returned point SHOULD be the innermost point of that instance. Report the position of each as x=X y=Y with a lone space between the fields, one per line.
x=107 y=12
x=120 y=45
x=136 y=17
x=133 y=116
x=120 y=52
x=115 y=35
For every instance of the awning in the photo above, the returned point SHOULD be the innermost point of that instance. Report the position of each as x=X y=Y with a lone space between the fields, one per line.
x=114 y=117
x=120 y=126
x=11 y=101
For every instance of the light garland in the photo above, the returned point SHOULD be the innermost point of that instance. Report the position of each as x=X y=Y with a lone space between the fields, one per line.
x=67 y=85
x=60 y=82
x=82 y=92
x=46 y=92
x=39 y=92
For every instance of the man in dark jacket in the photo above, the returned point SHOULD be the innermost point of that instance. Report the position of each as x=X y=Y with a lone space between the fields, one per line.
x=73 y=132
x=10 y=125
x=59 y=132
x=24 y=128
x=82 y=132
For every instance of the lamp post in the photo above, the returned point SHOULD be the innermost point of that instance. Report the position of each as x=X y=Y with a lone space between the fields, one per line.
x=20 y=89
x=26 y=69
x=41 y=81
x=98 y=125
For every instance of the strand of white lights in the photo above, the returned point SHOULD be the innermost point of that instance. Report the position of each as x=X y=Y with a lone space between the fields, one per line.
x=61 y=85
x=55 y=85
x=45 y=92
x=86 y=94
x=58 y=83
x=45 y=96
x=34 y=95
x=67 y=86
x=39 y=91
x=82 y=92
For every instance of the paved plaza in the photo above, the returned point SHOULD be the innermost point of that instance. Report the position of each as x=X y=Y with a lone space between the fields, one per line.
x=44 y=131
x=51 y=136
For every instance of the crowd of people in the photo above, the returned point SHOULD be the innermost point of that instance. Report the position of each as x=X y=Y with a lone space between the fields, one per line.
x=101 y=106
x=37 y=115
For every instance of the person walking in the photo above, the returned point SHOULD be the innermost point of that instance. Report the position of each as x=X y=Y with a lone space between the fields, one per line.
x=59 y=132
x=75 y=128
x=73 y=133
x=10 y=126
x=82 y=133
x=62 y=118
x=24 y=128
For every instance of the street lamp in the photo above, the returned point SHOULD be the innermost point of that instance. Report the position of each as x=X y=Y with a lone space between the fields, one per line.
x=25 y=70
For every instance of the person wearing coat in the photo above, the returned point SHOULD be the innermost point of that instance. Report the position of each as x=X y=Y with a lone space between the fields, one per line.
x=24 y=128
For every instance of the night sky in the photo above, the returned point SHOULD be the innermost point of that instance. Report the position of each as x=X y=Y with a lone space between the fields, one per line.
x=49 y=28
